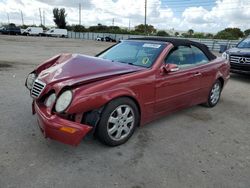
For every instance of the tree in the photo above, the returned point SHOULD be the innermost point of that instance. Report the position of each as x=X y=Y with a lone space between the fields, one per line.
x=198 y=35
x=78 y=28
x=209 y=35
x=44 y=27
x=162 y=33
x=230 y=34
x=247 y=32
x=190 y=32
x=59 y=17
x=185 y=35
x=141 y=29
x=176 y=34
x=99 y=28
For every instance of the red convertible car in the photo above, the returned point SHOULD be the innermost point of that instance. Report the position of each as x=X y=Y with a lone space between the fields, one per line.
x=125 y=86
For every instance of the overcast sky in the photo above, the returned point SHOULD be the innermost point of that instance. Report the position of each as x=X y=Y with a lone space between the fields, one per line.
x=200 y=15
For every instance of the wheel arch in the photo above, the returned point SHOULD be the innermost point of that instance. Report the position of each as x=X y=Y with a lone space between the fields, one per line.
x=97 y=102
x=131 y=98
x=93 y=117
x=221 y=81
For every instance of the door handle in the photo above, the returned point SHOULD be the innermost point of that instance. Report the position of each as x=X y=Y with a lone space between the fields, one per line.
x=197 y=74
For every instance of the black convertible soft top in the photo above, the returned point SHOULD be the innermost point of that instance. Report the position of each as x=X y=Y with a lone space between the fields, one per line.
x=180 y=42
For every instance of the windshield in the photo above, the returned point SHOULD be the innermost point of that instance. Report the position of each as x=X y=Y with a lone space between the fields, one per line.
x=244 y=44
x=135 y=53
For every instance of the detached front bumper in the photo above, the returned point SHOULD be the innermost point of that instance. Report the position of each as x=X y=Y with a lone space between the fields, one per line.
x=57 y=128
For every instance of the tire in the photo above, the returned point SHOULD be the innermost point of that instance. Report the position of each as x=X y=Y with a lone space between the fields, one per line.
x=214 y=94
x=118 y=121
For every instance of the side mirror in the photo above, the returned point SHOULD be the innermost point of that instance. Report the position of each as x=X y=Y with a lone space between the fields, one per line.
x=167 y=68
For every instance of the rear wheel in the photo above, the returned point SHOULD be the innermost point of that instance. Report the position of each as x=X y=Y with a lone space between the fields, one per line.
x=118 y=121
x=214 y=94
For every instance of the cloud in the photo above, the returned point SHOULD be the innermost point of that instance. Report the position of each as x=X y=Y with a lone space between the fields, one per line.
x=225 y=13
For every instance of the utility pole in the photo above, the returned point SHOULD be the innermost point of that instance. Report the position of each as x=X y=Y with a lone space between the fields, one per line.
x=8 y=18
x=43 y=17
x=145 y=21
x=80 y=14
x=40 y=16
x=22 y=17
x=113 y=22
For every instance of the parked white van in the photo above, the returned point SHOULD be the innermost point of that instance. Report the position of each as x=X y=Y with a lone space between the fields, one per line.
x=57 y=32
x=33 y=31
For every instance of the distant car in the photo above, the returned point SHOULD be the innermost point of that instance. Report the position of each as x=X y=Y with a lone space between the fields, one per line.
x=109 y=39
x=99 y=38
x=127 y=85
x=239 y=57
x=11 y=29
x=54 y=32
x=33 y=31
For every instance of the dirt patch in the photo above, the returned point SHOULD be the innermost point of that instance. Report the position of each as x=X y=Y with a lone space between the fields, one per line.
x=200 y=116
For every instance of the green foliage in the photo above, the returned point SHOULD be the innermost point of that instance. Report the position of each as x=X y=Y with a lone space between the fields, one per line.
x=42 y=26
x=99 y=28
x=190 y=32
x=209 y=36
x=141 y=29
x=176 y=34
x=77 y=28
x=162 y=33
x=185 y=35
x=198 y=35
x=247 y=32
x=230 y=34
x=60 y=17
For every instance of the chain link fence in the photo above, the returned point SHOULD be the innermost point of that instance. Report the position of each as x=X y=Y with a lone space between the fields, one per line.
x=213 y=44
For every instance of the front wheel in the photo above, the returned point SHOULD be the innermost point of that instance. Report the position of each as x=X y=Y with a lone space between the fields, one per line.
x=118 y=122
x=214 y=94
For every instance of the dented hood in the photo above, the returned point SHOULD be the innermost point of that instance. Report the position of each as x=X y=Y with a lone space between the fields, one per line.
x=70 y=69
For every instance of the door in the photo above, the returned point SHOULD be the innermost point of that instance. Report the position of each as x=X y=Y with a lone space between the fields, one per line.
x=176 y=90
x=208 y=71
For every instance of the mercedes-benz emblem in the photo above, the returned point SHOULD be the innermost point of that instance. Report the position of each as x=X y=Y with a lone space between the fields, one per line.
x=242 y=60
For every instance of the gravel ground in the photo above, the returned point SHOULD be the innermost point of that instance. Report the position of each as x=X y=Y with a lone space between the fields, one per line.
x=197 y=147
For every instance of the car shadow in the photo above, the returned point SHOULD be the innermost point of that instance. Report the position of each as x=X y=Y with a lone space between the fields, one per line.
x=240 y=77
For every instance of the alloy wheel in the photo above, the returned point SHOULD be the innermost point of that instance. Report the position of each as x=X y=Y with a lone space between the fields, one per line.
x=120 y=123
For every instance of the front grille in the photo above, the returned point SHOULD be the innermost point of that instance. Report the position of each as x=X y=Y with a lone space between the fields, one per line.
x=239 y=59
x=243 y=67
x=37 y=88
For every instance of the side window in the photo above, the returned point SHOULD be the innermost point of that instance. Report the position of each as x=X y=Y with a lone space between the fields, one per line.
x=181 y=56
x=199 y=56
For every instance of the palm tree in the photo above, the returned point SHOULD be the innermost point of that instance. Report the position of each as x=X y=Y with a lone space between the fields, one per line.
x=190 y=32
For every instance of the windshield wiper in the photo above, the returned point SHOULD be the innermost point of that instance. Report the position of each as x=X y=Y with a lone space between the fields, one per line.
x=123 y=62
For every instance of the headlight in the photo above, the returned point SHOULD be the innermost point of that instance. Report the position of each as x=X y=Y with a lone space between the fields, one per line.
x=64 y=101
x=30 y=80
x=50 y=100
x=225 y=55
